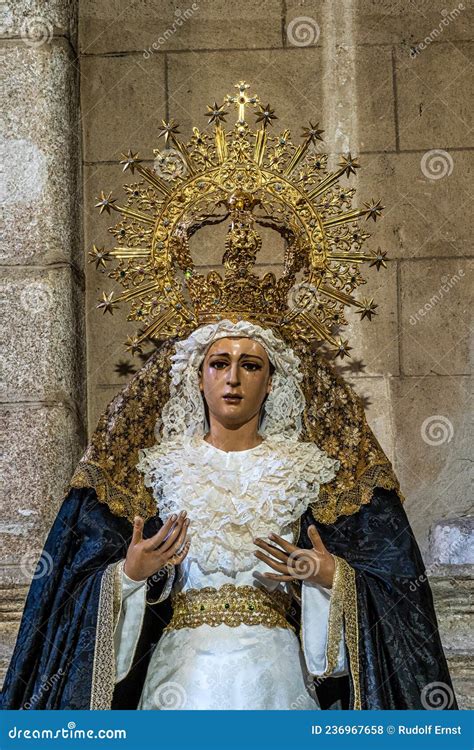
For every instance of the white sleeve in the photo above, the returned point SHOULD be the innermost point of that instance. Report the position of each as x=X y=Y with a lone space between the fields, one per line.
x=322 y=631
x=130 y=619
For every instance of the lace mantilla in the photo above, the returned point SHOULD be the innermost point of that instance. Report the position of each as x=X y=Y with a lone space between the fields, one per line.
x=232 y=497
x=184 y=412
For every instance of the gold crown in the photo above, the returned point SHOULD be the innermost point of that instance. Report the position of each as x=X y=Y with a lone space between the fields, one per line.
x=254 y=179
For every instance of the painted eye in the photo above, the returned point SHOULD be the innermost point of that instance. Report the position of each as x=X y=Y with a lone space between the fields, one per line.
x=252 y=365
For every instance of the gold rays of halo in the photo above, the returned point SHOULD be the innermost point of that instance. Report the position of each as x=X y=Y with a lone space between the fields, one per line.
x=250 y=178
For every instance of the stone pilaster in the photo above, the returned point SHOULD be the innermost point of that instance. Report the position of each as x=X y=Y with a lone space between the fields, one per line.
x=43 y=286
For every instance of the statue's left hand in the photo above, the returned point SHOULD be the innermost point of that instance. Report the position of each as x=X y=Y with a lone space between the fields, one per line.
x=314 y=565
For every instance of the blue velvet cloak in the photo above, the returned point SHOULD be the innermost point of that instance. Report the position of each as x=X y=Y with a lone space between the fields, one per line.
x=400 y=651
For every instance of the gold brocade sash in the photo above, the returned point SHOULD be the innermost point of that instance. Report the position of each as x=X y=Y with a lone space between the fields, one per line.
x=229 y=605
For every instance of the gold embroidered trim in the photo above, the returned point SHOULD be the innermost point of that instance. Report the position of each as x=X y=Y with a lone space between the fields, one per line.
x=229 y=605
x=351 y=627
x=335 y=619
x=343 y=611
x=103 y=670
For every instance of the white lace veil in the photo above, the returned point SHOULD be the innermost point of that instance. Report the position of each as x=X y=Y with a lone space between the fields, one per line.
x=184 y=412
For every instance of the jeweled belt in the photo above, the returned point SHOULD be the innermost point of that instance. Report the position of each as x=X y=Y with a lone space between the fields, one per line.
x=229 y=605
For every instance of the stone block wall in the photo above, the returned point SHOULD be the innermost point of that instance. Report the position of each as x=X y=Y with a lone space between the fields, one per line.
x=43 y=394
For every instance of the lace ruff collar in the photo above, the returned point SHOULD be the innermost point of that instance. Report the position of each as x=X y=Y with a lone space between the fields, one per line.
x=231 y=497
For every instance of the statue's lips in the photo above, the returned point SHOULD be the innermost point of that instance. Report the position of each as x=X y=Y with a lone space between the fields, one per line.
x=232 y=399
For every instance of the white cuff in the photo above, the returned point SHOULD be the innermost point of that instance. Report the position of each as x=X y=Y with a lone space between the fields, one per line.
x=315 y=609
x=129 y=584
x=129 y=624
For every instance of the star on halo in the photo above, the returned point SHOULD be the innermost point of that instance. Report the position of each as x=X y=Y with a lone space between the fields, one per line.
x=168 y=130
x=266 y=115
x=313 y=132
x=132 y=344
x=99 y=256
x=368 y=308
x=105 y=202
x=350 y=164
x=379 y=259
x=373 y=210
x=129 y=161
x=343 y=349
x=215 y=113
x=107 y=303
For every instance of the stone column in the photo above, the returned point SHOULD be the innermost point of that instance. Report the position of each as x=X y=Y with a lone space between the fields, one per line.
x=42 y=382
x=451 y=573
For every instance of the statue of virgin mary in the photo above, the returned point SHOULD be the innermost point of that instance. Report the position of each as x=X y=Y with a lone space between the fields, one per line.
x=234 y=536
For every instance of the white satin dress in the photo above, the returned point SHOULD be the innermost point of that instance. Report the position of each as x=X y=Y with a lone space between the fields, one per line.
x=231 y=498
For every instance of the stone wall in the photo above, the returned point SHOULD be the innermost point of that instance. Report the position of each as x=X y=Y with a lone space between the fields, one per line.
x=43 y=395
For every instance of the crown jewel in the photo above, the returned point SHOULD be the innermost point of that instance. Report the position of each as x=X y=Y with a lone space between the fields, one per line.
x=250 y=179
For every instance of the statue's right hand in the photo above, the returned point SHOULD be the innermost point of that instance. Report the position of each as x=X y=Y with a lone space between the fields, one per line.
x=147 y=556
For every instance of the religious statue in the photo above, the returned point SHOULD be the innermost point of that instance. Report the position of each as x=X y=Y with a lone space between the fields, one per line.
x=234 y=536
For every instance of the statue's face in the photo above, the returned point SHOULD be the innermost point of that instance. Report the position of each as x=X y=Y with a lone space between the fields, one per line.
x=235 y=366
